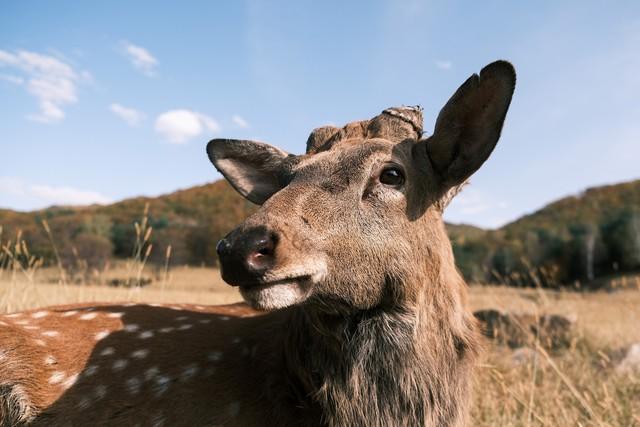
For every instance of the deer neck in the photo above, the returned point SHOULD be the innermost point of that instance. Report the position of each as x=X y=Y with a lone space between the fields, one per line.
x=402 y=365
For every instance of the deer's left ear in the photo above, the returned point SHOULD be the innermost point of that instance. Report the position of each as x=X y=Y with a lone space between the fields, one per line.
x=255 y=169
x=469 y=125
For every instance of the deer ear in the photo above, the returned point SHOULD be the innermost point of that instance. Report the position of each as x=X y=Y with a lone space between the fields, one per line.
x=256 y=170
x=469 y=125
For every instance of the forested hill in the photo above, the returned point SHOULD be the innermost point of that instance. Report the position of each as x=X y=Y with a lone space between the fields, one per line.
x=577 y=238
x=190 y=220
x=574 y=239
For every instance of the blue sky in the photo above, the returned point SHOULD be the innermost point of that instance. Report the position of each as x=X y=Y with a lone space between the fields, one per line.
x=101 y=101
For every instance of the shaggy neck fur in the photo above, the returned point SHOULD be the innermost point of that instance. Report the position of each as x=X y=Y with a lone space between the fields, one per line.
x=395 y=366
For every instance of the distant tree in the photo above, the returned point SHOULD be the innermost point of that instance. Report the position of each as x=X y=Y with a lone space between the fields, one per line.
x=123 y=239
x=88 y=251
x=622 y=238
x=587 y=251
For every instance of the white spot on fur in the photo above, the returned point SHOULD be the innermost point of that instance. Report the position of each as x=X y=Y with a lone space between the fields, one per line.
x=88 y=316
x=215 y=356
x=69 y=313
x=84 y=403
x=181 y=318
x=166 y=330
x=101 y=335
x=50 y=360
x=140 y=354
x=13 y=315
x=162 y=384
x=185 y=327
x=51 y=333
x=56 y=377
x=90 y=370
x=41 y=343
x=199 y=307
x=175 y=307
x=133 y=385
x=146 y=334
x=132 y=327
x=150 y=373
x=70 y=381
x=115 y=315
x=108 y=351
x=21 y=322
x=3 y=323
x=157 y=420
x=224 y=318
x=119 y=364
x=32 y=327
x=189 y=372
x=100 y=391
x=155 y=305
x=204 y=321
x=40 y=314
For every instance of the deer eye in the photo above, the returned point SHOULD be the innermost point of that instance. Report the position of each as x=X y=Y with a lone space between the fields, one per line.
x=392 y=176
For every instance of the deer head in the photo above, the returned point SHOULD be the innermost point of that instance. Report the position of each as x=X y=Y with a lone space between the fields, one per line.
x=359 y=216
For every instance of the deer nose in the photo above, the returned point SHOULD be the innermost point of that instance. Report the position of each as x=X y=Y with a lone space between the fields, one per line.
x=246 y=255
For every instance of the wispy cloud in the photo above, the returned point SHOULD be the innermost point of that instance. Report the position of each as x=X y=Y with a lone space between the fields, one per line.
x=50 y=80
x=140 y=58
x=443 y=64
x=179 y=126
x=12 y=79
x=239 y=121
x=38 y=196
x=131 y=116
x=472 y=205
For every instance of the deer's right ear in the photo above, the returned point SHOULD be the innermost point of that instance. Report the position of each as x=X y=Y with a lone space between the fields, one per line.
x=255 y=169
x=469 y=125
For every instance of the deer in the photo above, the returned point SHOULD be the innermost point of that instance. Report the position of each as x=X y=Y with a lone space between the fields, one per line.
x=354 y=312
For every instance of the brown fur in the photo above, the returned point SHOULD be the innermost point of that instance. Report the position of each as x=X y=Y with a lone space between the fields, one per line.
x=372 y=325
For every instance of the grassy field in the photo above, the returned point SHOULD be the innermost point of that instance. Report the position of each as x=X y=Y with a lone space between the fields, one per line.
x=578 y=386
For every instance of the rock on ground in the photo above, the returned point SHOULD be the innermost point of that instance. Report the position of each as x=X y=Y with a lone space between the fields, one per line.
x=517 y=330
x=631 y=361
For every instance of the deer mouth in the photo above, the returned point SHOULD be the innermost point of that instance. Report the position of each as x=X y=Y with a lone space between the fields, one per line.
x=274 y=291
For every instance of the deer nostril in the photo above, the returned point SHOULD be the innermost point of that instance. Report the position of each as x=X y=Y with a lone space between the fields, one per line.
x=265 y=251
x=262 y=255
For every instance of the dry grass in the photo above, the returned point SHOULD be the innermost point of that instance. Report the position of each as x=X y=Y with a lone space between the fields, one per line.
x=184 y=285
x=574 y=387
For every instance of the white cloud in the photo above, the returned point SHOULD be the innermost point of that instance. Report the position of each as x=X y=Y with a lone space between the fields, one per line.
x=178 y=126
x=51 y=81
x=240 y=122
x=38 y=196
x=132 y=116
x=444 y=64
x=140 y=58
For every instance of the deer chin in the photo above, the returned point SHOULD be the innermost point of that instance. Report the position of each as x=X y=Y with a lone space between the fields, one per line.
x=284 y=288
x=278 y=294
